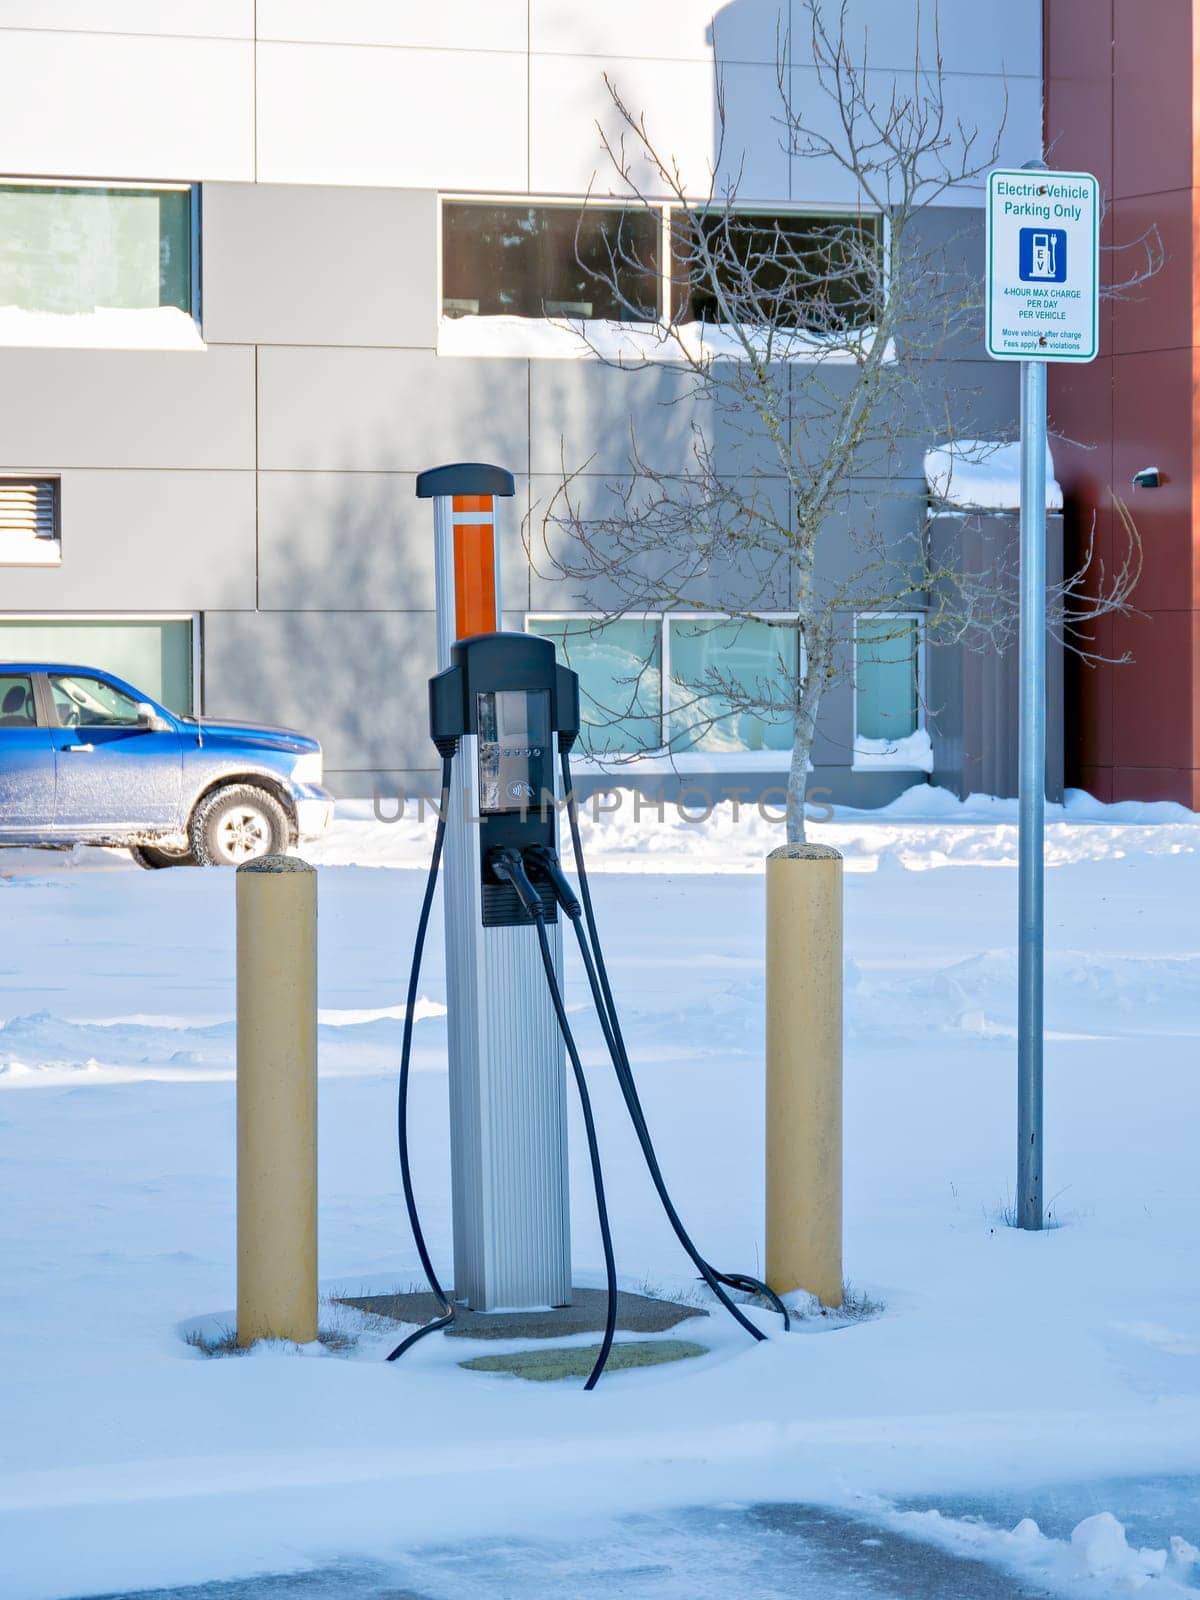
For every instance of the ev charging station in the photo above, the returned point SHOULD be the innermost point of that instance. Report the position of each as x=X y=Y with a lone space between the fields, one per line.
x=508 y=1109
x=503 y=715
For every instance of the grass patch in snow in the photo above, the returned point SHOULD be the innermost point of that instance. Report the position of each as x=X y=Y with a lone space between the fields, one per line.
x=577 y=1361
x=857 y=1306
x=1051 y=1220
x=337 y=1335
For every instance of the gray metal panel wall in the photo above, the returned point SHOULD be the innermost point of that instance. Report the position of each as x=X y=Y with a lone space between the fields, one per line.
x=355 y=679
x=387 y=410
x=319 y=265
x=145 y=541
x=361 y=541
x=972 y=687
x=127 y=408
x=343 y=399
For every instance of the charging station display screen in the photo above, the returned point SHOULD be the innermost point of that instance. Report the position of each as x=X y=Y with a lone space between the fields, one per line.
x=514 y=738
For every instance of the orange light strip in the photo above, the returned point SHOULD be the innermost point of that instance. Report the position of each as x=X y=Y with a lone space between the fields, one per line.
x=474 y=567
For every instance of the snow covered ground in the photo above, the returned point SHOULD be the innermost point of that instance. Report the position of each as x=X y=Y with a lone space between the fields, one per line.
x=1002 y=1363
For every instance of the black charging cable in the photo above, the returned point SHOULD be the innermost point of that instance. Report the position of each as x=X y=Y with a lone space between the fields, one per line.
x=446 y=1316
x=598 y=980
x=508 y=866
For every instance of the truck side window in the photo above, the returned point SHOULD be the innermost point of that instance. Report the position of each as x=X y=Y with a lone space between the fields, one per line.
x=82 y=702
x=16 y=702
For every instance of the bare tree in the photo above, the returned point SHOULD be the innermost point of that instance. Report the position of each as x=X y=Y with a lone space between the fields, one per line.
x=812 y=357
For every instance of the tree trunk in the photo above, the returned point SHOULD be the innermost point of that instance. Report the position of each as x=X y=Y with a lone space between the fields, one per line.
x=802 y=743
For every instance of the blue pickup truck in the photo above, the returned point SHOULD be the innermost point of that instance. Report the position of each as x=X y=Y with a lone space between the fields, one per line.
x=85 y=758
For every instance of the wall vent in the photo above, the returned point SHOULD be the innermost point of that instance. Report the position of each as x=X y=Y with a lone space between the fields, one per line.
x=28 y=508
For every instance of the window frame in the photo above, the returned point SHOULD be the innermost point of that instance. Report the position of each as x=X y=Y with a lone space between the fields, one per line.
x=151 y=186
x=917 y=617
x=828 y=211
x=690 y=760
x=195 y=618
x=563 y=202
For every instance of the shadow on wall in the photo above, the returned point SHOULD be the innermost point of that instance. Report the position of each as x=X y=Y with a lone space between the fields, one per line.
x=342 y=642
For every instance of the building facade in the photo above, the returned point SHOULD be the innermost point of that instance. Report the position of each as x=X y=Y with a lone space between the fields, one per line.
x=248 y=290
x=1121 y=101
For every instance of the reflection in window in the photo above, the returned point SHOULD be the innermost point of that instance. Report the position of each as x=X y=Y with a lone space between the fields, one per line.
x=66 y=249
x=154 y=654
x=620 y=680
x=757 y=660
x=85 y=702
x=818 y=273
x=887 y=701
x=550 y=261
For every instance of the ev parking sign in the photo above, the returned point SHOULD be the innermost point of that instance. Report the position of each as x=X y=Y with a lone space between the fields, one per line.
x=1043 y=245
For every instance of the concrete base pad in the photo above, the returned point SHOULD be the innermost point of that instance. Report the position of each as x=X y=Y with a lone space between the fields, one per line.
x=636 y=1313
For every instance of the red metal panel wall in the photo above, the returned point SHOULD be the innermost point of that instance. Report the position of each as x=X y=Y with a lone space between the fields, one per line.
x=1119 y=102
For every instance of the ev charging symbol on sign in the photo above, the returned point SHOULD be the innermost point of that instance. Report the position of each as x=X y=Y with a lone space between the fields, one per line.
x=1042 y=255
x=1043 y=243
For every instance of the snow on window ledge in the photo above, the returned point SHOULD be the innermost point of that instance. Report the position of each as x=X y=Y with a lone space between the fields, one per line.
x=982 y=475
x=106 y=328
x=912 y=754
x=561 y=339
x=27 y=550
x=659 y=763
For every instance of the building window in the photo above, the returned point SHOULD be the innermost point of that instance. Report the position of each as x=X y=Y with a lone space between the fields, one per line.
x=586 y=279
x=730 y=684
x=100 y=266
x=711 y=686
x=825 y=270
x=154 y=655
x=583 y=262
x=620 y=679
x=81 y=248
x=887 y=691
x=29 y=522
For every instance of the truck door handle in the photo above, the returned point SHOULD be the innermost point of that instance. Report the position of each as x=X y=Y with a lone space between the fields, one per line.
x=79 y=747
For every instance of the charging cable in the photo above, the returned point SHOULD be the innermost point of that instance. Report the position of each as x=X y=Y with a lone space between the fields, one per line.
x=597 y=974
x=446 y=1315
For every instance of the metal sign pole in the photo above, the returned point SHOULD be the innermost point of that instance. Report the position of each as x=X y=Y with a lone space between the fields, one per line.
x=1042 y=248
x=1032 y=804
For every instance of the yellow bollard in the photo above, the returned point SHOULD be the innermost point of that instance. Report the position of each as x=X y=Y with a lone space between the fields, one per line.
x=804 y=1071
x=276 y=1100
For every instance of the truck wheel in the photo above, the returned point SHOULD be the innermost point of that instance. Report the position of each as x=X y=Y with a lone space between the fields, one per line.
x=150 y=857
x=237 y=824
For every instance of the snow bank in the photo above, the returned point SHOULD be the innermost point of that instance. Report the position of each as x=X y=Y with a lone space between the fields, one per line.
x=982 y=475
x=925 y=826
x=106 y=328
x=1098 y=1549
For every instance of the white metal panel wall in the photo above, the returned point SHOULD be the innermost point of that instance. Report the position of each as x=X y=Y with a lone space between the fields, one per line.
x=107 y=105
x=413 y=24
x=418 y=119
x=214 y=19
x=496 y=95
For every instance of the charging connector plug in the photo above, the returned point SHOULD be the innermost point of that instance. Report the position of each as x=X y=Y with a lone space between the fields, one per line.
x=506 y=864
x=543 y=861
